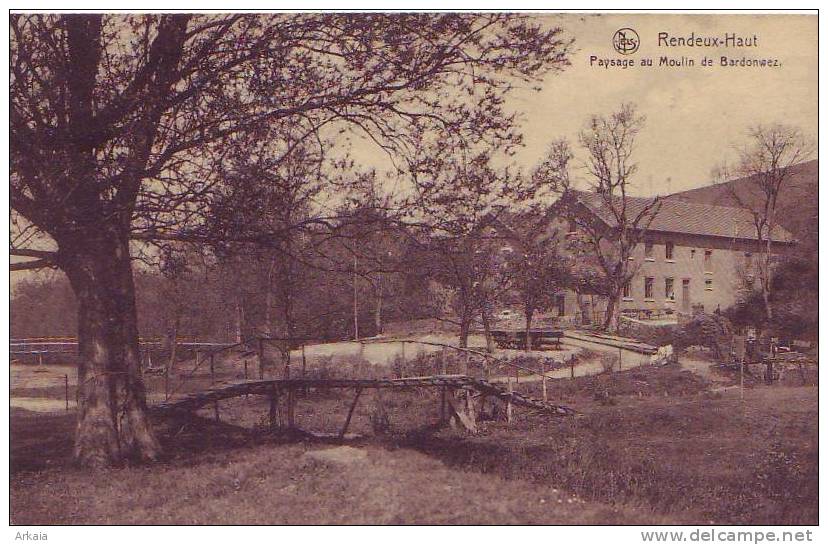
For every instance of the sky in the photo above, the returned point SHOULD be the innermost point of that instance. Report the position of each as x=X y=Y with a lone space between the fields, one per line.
x=695 y=115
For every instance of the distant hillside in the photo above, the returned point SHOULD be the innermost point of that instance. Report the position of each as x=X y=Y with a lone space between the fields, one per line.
x=798 y=202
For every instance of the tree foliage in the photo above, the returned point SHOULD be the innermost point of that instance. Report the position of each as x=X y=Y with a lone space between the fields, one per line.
x=121 y=127
x=765 y=162
x=605 y=241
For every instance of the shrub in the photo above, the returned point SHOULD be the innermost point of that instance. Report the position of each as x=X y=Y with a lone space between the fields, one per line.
x=709 y=330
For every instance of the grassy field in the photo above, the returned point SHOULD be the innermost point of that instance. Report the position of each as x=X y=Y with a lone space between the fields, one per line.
x=218 y=474
x=652 y=445
x=705 y=457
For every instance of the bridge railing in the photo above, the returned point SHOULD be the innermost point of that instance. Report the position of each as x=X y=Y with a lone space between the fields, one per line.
x=254 y=350
x=258 y=362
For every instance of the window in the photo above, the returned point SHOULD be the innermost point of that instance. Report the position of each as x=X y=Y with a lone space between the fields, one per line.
x=560 y=302
x=708 y=284
x=648 y=250
x=669 y=294
x=668 y=251
x=573 y=227
x=648 y=287
x=627 y=291
x=692 y=253
x=708 y=260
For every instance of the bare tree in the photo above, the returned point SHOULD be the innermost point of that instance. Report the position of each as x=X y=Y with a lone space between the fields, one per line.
x=460 y=198
x=272 y=181
x=765 y=163
x=608 y=223
x=118 y=124
x=538 y=266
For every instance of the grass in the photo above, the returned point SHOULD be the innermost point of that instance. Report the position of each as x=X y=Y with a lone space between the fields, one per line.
x=217 y=474
x=652 y=445
x=658 y=439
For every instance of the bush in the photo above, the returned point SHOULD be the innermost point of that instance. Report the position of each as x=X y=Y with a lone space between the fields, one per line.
x=712 y=331
x=657 y=335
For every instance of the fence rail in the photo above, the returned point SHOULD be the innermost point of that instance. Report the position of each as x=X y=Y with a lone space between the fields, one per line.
x=253 y=359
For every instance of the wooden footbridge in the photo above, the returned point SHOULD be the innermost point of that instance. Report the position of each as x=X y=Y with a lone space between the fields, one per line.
x=462 y=397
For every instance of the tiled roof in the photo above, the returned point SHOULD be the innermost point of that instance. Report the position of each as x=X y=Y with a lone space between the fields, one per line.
x=675 y=216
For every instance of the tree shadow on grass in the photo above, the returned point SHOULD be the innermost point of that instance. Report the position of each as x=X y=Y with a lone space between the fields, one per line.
x=41 y=441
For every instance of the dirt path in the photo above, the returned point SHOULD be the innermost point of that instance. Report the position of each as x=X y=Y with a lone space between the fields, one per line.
x=26 y=375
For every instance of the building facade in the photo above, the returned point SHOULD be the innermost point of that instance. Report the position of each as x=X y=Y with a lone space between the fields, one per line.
x=692 y=257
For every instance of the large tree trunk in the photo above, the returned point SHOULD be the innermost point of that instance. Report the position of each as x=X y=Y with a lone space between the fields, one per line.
x=172 y=343
x=239 y=321
x=378 y=307
x=766 y=284
x=582 y=308
x=138 y=442
x=487 y=330
x=465 y=326
x=611 y=317
x=269 y=327
x=528 y=313
x=113 y=426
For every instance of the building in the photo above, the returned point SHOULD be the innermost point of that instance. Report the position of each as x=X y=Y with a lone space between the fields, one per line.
x=694 y=255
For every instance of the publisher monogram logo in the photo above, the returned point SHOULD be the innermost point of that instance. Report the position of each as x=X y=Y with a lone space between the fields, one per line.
x=626 y=41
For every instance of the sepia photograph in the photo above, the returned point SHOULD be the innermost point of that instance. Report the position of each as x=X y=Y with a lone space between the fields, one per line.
x=414 y=268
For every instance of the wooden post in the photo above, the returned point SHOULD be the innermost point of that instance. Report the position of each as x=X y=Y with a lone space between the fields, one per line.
x=261 y=358
x=517 y=375
x=274 y=404
x=543 y=379
x=213 y=381
x=742 y=380
x=443 y=405
x=291 y=408
x=460 y=412
x=509 y=402
x=350 y=413
x=246 y=395
x=303 y=361
x=286 y=353
x=619 y=358
x=572 y=365
x=66 y=389
x=403 y=371
x=471 y=410
x=443 y=370
x=356 y=302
